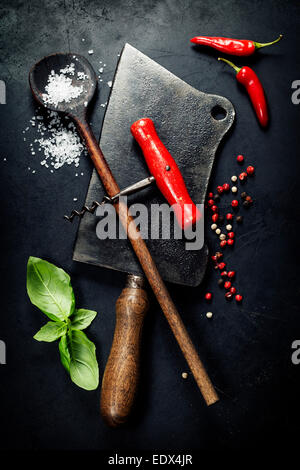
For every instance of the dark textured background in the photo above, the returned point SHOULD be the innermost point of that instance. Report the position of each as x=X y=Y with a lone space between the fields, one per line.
x=246 y=348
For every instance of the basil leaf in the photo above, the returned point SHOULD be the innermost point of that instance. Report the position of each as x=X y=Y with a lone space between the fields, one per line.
x=82 y=318
x=49 y=288
x=51 y=331
x=84 y=369
x=64 y=352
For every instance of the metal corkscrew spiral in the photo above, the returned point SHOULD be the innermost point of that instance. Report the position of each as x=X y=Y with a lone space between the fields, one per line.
x=85 y=209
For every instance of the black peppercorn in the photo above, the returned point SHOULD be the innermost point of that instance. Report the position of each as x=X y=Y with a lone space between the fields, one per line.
x=217 y=198
x=246 y=203
x=221 y=282
x=239 y=219
x=243 y=195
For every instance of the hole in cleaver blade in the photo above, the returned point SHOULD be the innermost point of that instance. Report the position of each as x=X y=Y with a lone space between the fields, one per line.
x=190 y=123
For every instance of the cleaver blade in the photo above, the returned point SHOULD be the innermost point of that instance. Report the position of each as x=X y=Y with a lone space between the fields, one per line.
x=185 y=119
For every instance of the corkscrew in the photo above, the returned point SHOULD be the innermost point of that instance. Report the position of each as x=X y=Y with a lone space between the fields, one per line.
x=133 y=188
x=164 y=171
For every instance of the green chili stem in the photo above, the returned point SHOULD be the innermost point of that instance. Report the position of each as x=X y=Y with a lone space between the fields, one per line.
x=258 y=45
x=237 y=69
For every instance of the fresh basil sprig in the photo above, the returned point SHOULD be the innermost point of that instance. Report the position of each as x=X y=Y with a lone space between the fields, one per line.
x=49 y=288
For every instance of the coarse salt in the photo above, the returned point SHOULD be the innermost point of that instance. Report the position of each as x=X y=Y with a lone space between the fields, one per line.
x=60 y=88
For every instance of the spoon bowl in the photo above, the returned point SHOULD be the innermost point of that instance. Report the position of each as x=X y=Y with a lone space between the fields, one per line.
x=81 y=74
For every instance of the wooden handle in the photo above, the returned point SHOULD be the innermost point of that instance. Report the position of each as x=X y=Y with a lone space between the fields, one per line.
x=151 y=272
x=121 y=374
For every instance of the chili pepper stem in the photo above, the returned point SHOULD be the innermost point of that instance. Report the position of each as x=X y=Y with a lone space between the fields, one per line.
x=258 y=45
x=237 y=69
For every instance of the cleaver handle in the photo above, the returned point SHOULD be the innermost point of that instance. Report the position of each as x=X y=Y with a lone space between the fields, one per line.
x=120 y=379
x=168 y=177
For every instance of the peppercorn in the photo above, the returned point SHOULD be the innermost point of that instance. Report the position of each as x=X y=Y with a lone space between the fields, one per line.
x=223 y=243
x=218 y=231
x=229 y=216
x=243 y=195
x=217 y=198
x=229 y=227
x=234 y=203
x=221 y=266
x=209 y=315
x=243 y=176
x=213 y=226
x=221 y=282
x=214 y=258
x=220 y=189
x=221 y=219
x=230 y=234
x=250 y=170
x=224 y=273
x=234 y=178
x=214 y=208
x=228 y=296
x=240 y=158
x=234 y=189
x=249 y=199
x=238 y=298
x=232 y=290
x=184 y=375
x=230 y=241
x=226 y=187
x=210 y=202
x=210 y=195
x=231 y=274
x=214 y=217
x=246 y=203
x=219 y=255
x=208 y=296
x=239 y=219
x=222 y=236
x=227 y=285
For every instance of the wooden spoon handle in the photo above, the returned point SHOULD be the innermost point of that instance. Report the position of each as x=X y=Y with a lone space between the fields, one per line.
x=121 y=374
x=149 y=267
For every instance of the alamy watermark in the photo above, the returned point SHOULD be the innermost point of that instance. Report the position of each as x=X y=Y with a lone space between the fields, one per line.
x=296 y=354
x=159 y=221
x=296 y=94
x=2 y=92
x=2 y=352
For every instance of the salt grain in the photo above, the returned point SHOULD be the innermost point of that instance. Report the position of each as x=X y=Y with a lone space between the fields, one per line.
x=60 y=88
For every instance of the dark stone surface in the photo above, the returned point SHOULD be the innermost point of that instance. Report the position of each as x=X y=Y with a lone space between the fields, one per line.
x=247 y=348
x=184 y=121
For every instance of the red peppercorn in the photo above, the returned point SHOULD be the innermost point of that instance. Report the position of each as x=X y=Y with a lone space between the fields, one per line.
x=228 y=296
x=214 y=217
x=232 y=290
x=208 y=296
x=226 y=187
x=214 y=258
x=229 y=216
x=220 y=189
x=243 y=176
x=250 y=170
x=227 y=285
x=210 y=195
x=223 y=243
x=210 y=202
x=230 y=241
x=224 y=273
x=238 y=298
x=240 y=158
x=219 y=255
x=249 y=199
x=234 y=203
x=214 y=208
x=231 y=274
x=230 y=234
x=221 y=265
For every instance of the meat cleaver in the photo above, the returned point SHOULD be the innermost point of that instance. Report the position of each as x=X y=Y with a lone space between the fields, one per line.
x=191 y=125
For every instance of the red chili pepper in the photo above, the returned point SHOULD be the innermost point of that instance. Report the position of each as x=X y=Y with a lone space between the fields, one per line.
x=241 y=47
x=247 y=77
